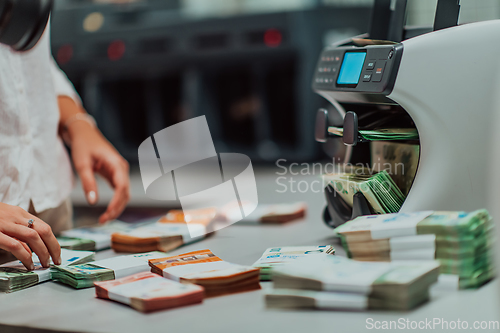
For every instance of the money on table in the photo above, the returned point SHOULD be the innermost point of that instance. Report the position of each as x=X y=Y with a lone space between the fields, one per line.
x=84 y=275
x=78 y=244
x=272 y=213
x=100 y=234
x=149 y=292
x=14 y=276
x=460 y=241
x=276 y=256
x=204 y=268
x=333 y=282
x=175 y=229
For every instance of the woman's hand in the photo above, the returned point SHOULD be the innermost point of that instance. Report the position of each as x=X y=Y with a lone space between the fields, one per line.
x=16 y=235
x=92 y=153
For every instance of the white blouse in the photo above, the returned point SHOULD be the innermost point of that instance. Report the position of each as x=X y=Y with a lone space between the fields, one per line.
x=34 y=164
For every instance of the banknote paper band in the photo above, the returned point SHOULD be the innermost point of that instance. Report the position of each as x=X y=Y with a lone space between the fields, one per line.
x=127 y=265
x=186 y=271
x=413 y=242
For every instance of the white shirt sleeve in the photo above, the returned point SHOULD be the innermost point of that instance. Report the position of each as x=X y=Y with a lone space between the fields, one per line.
x=62 y=85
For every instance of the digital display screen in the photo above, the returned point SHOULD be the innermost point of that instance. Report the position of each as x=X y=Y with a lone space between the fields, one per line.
x=352 y=65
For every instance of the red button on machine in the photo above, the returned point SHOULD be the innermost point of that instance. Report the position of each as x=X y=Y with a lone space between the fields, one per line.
x=379 y=71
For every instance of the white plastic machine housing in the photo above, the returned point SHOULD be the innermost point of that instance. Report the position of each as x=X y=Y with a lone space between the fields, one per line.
x=449 y=83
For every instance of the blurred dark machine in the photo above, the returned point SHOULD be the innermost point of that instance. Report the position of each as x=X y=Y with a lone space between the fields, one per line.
x=22 y=22
x=141 y=67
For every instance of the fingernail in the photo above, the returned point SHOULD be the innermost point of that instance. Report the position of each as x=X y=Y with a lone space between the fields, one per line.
x=91 y=197
x=47 y=263
x=58 y=261
x=32 y=267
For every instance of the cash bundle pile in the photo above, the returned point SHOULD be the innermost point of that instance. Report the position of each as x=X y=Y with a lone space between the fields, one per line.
x=14 y=276
x=378 y=188
x=148 y=292
x=78 y=244
x=84 y=275
x=203 y=268
x=278 y=256
x=332 y=282
x=267 y=214
x=460 y=241
x=170 y=232
x=99 y=234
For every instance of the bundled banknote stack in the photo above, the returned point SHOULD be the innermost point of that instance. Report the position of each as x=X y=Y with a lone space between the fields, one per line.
x=460 y=241
x=148 y=292
x=278 y=256
x=84 y=275
x=169 y=232
x=14 y=276
x=205 y=269
x=332 y=282
x=98 y=236
x=78 y=244
x=267 y=214
x=378 y=188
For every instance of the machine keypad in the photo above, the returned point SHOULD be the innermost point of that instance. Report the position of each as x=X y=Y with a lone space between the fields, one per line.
x=379 y=71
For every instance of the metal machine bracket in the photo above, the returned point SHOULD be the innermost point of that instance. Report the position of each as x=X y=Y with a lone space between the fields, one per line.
x=351 y=134
x=338 y=211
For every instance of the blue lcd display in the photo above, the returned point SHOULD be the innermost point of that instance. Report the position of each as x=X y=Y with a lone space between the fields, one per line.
x=351 y=68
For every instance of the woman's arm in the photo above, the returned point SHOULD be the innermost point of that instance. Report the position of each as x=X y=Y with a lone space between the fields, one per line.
x=90 y=151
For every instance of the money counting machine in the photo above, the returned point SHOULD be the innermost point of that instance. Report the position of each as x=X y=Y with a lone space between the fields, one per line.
x=445 y=84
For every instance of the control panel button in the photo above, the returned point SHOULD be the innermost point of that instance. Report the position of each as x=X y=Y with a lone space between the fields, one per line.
x=370 y=64
x=379 y=71
x=367 y=77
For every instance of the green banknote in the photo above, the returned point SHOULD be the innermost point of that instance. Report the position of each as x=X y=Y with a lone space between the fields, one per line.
x=400 y=160
x=347 y=284
x=76 y=243
x=14 y=279
x=379 y=189
x=384 y=134
x=14 y=276
x=277 y=256
x=81 y=276
x=456 y=224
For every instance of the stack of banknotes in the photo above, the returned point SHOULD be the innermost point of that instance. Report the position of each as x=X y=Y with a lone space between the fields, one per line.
x=332 y=282
x=79 y=244
x=203 y=268
x=278 y=256
x=84 y=275
x=267 y=214
x=99 y=234
x=148 y=292
x=14 y=276
x=400 y=160
x=379 y=189
x=461 y=242
x=168 y=233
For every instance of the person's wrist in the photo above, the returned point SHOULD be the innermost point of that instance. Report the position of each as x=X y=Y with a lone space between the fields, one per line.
x=79 y=127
